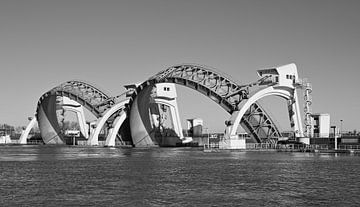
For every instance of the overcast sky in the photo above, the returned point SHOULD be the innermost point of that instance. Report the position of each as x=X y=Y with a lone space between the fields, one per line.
x=111 y=43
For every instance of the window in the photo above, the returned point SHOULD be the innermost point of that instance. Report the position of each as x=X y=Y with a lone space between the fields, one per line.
x=291 y=77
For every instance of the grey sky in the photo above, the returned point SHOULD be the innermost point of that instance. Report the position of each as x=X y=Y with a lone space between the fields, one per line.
x=112 y=43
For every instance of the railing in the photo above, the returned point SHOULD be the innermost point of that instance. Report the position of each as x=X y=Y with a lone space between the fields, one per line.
x=318 y=147
x=35 y=142
x=281 y=147
x=287 y=146
x=349 y=147
x=262 y=146
x=350 y=134
x=214 y=145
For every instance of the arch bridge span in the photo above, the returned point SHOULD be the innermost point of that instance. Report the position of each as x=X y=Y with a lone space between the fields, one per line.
x=229 y=94
x=82 y=92
x=222 y=90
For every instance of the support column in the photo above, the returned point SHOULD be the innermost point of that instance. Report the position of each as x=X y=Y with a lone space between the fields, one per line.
x=236 y=116
x=110 y=139
x=294 y=115
x=94 y=138
x=25 y=134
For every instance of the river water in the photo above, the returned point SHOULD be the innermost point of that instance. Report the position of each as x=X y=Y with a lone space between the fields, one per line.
x=74 y=176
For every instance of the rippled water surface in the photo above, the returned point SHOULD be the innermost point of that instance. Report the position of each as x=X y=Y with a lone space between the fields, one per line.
x=73 y=176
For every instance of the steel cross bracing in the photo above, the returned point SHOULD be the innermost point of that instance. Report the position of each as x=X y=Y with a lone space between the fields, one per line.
x=85 y=94
x=260 y=124
x=213 y=84
x=223 y=91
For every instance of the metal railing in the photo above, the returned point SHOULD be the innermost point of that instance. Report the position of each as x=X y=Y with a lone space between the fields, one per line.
x=350 y=134
x=288 y=146
x=262 y=146
x=34 y=142
x=300 y=147
x=213 y=145
x=348 y=147
x=319 y=147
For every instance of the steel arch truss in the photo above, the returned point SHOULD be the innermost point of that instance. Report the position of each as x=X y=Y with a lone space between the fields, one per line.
x=222 y=90
x=85 y=94
x=260 y=125
x=217 y=86
x=213 y=84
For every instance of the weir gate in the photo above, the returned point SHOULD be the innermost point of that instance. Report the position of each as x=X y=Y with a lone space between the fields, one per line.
x=146 y=114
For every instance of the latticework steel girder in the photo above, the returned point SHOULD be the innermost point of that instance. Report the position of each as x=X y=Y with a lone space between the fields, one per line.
x=209 y=82
x=84 y=93
x=46 y=113
x=221 y=89
x=260 y=124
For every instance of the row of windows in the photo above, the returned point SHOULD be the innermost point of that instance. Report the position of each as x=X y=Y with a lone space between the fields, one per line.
x=166 y=89
x=271 y=78
x=292 y=77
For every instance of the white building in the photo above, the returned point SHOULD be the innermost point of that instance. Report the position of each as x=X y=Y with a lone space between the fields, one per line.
x=320 y=124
